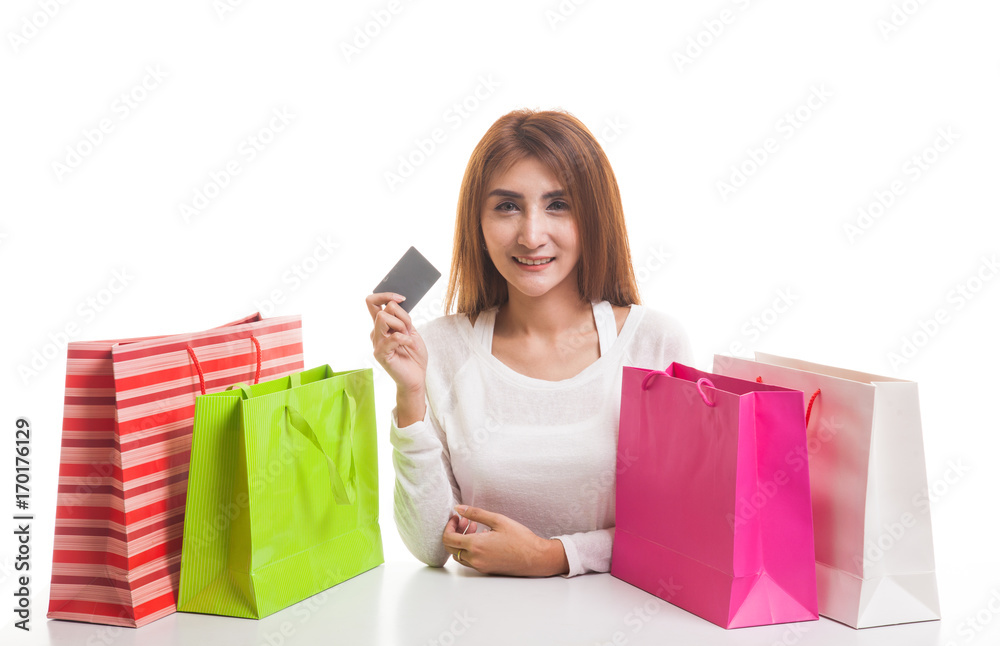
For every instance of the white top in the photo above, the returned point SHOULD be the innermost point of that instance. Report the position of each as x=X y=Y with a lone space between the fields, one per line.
x=540 y=452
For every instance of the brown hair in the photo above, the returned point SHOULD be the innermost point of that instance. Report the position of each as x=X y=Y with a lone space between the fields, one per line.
x=561 y=142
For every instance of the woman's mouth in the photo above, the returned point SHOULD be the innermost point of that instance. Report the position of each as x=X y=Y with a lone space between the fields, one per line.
x=527 y=262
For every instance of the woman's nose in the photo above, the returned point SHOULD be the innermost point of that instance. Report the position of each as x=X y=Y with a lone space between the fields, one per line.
x=532 y=233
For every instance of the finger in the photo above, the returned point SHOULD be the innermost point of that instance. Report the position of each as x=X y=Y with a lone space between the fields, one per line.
x=396 y=344
x=452 y=524
x=454 y=539
x=466 y=526
x=480 y=515
x=386 y=323
x=377 y=300
x=451 y=527
x=389 y=343
x=394 y=308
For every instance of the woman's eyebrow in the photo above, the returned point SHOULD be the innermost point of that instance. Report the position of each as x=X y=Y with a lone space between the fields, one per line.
x=502 y=192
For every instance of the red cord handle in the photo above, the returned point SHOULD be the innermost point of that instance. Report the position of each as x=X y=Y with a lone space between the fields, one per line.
x=256 y=344
x=197 y=366
x=201 y=373
x=810 y=407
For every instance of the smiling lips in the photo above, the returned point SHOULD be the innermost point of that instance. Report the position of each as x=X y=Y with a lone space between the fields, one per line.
x=533 y=262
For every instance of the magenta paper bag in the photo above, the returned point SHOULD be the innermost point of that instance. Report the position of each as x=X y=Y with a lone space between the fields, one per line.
x=710 y=503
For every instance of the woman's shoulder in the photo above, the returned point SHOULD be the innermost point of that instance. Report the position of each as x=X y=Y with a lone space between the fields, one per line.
x=654 y=320
x=661 y=332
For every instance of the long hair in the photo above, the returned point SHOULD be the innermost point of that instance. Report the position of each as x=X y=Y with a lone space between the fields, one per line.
x=561 y=142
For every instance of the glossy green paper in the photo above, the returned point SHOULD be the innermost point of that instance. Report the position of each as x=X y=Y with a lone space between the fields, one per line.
x=282 y=497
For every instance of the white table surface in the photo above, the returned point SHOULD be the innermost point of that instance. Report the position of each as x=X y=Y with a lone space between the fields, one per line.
x=404 y=602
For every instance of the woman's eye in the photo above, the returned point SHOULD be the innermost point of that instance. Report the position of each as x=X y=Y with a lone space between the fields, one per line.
x=559 y=205
x=506 y=206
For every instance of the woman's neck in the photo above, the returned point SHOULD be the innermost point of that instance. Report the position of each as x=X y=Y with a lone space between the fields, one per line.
x=547 y=317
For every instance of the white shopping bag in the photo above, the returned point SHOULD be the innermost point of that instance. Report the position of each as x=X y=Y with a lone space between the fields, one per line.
x=865 y=454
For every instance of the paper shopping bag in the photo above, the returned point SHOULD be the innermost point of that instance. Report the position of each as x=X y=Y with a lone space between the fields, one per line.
x=708 y=515
x=874 y=550
x=283 y=495
x=123 y=467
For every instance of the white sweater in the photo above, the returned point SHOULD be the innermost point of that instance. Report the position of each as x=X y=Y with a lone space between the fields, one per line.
x=540 y=452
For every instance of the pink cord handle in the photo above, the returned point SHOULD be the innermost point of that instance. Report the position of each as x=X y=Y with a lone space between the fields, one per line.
x=700 y=383
x=649 y=375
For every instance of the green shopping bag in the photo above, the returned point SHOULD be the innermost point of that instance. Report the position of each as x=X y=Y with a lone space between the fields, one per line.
x=282 y=497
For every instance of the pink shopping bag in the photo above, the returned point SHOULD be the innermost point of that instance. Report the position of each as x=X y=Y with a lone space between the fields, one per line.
x=715 y=499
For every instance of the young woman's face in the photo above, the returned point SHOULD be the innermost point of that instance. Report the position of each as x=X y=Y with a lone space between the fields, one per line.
x=527 y=215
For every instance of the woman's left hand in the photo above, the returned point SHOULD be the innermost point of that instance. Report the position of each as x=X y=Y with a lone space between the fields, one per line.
x=509 y=548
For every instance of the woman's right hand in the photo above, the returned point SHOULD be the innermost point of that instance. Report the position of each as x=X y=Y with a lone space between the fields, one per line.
x=397 y=346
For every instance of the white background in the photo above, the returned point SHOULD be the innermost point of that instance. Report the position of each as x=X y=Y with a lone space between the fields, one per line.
x=673 y=129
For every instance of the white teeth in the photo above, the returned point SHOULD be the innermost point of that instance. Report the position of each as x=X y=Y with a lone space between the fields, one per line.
x=533 y=262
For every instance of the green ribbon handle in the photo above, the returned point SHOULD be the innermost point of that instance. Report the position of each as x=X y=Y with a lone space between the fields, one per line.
x=243 y=388
x=299 y=423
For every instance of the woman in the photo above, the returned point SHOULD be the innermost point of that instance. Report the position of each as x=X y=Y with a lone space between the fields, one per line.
x=507 y=411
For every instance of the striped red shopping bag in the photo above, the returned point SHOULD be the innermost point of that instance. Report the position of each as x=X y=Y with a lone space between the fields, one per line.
x=126 y=444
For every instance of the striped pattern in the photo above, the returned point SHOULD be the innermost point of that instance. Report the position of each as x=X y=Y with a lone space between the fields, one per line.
x=126 y=444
